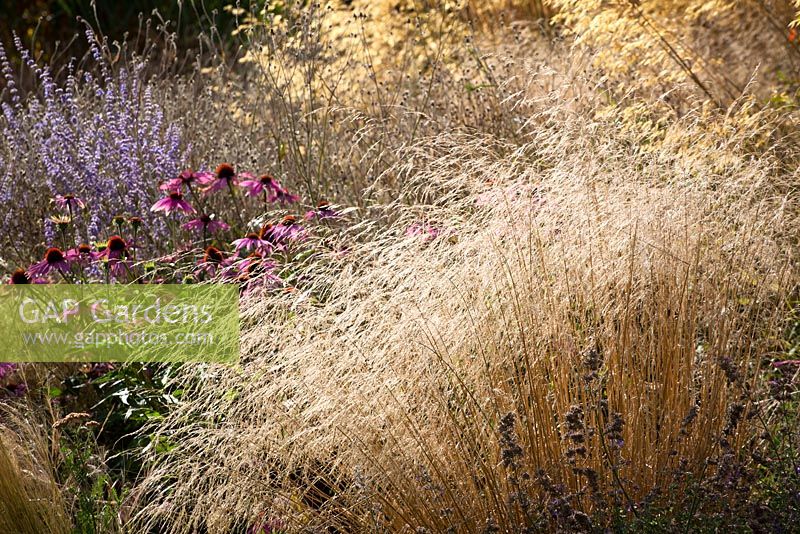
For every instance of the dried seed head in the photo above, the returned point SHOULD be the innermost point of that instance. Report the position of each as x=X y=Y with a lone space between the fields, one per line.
x=54 y=255
x=20 y=277
x=225 y=171
x=116 y=244
x=212 y=255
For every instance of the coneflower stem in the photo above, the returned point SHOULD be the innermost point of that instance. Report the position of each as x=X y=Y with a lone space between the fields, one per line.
x=197 y=198
x=236 y=204
x=63 y=237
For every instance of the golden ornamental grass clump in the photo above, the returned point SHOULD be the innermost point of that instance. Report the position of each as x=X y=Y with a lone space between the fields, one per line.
x=31 y=501
x=578 y=324
x=707 y=49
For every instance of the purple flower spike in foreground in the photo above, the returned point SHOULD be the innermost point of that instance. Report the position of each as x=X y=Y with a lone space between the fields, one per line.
x=208 y=222
x=54 y=259
x=225 y=177
x=69 y=202
x=174 y=202
x=252 y=242
x=6 y=369
x=324 y=211
x=187 y=178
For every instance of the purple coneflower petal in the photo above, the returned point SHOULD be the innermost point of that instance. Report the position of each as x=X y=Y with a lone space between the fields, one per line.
x=54 y=259
x=252 y=242
x=69 y=202
x=171 y=203
x=209 y=222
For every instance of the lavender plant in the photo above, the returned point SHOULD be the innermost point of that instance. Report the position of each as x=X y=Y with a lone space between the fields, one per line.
x=98 y=135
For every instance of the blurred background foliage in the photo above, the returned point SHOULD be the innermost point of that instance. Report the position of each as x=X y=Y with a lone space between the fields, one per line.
x=49 y=27
x=719 y=46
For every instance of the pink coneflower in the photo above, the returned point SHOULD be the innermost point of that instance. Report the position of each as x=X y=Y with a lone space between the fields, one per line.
x=266 y=233
x=324 y=211
x=116 y=247
x=287 y=230
x=214 y=263
x=252 y=263
x=116 y=252
x=69 y=202
x=427 y=231
x=173 y=202
x=272 y=190
x=224 y=176
x=257 y=272
x=255 y=187
x=82 y=254
x=19 y=277
x=53 y=259
x=209 y=223
x=187 y=178
x=213 y=255
x=285 y=197
x=252 y=242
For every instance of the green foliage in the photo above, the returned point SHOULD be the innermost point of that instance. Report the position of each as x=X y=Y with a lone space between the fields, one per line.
x=124 y=400
x=100 y=457
x=96 y=495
